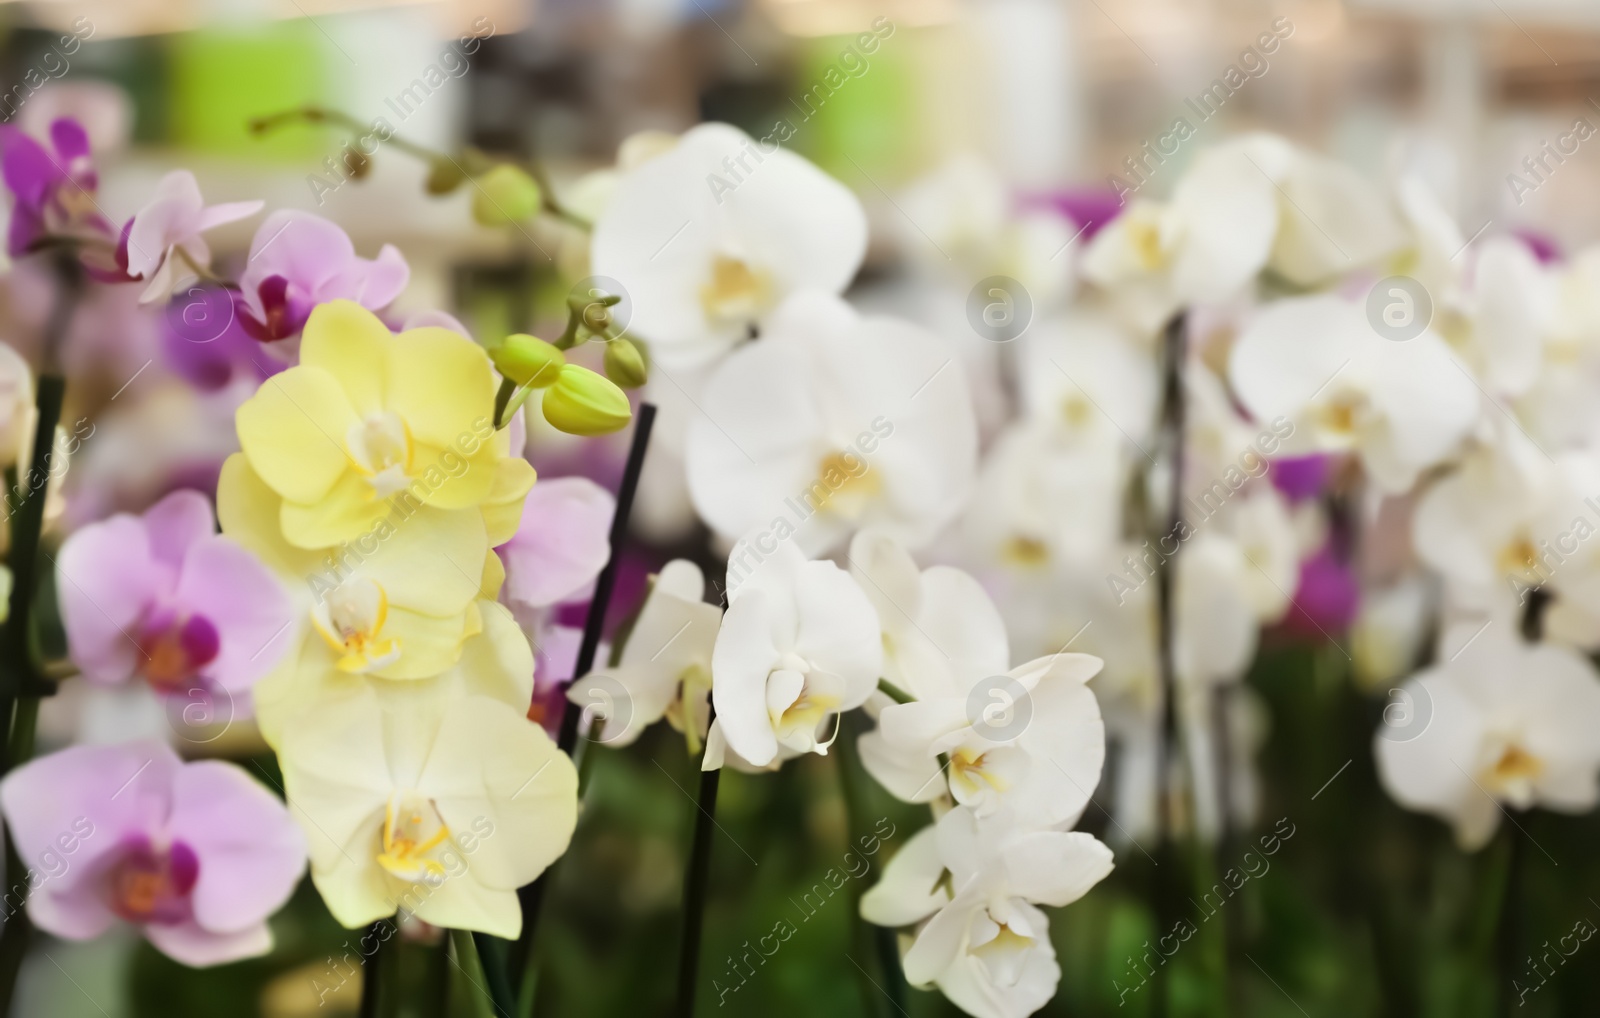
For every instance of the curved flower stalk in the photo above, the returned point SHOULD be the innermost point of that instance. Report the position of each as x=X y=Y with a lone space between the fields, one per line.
x=833 y=421
x=1507 y=724
x=768 y=225
x=195 y=855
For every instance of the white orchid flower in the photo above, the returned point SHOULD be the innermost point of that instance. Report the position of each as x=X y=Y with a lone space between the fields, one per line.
x=440 y=813
x=1499 y=723
x=1030 y=738
x=710 y=235
x=799 y=645
x=1250 y=204
x=1510 y=520
x=974 y=886
x=665 y=668
x=832 y=422
x=941 y=634
x=1403 y=406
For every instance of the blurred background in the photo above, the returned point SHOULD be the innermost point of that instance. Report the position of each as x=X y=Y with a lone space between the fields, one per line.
x=1367 y=910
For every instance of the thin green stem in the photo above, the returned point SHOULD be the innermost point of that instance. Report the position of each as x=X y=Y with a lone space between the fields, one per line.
x=492 y=955
x=893 y=691
x=880 y=938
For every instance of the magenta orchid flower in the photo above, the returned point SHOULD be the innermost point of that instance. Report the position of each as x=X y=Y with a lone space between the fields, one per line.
x=167 y=231
x=197 y=855
x=166 y=598
x=561 y=545
x=298 y=260
x=55 y=188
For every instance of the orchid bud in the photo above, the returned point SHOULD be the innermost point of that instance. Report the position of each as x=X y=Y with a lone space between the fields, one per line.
x=583 y=402
x=504 y=195
x=528 y=360
x=444 y=176
x=625 y=364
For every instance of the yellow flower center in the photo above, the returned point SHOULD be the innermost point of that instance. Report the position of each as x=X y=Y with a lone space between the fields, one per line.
x=735 y=293
x=413 y=832
x=1342 y=413
x=687 y=709
x=1028 y=552
x=844 y=485
x=1144 y=236
x=1515 y=766
x=968 y=766
x=1518 y=556
x=351 y=621
x=1075 y=410
x=380 y=447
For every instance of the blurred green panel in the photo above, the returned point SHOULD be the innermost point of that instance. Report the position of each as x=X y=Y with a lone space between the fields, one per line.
x=221 y=78
x=855 y=109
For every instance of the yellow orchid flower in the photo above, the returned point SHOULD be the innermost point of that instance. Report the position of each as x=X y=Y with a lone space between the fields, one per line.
x=368 y=421
x=442 y=814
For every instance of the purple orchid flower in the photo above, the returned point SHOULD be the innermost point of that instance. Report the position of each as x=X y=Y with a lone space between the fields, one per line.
x=206 y=341
x=1326 y=598
x=196 y=855
x=55 y=189
x=166 y=598
x=297 y=261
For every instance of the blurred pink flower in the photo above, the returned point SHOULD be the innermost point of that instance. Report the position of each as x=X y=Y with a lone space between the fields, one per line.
x=170 y=222
x=165 y=597
x=197 y=855
x=55 y=188
x=1326 y=598
x=298 y=260
x=561 y=545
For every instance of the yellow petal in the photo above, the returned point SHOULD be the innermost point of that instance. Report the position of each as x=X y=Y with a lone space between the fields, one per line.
x=445 y=478
x=248 y=511
x=350 y=343
x=494 y=577
x=343 y=513
x=428 y=646
x=502 y=507
x=441 y=384
x=292 y=430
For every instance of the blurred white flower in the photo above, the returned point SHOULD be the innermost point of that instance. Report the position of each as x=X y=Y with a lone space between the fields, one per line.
x=830 y=423
x=1403 y=406
x=710 y=235
x=1499 y=723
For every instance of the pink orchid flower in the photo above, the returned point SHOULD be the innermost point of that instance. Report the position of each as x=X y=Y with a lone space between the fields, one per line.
x=165 y=235
x=298 y=260
x=166 y=598
x=197 y=855
x=561 y=545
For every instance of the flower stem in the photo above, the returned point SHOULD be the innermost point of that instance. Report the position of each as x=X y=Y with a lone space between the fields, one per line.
x=532 y=896
x=881 y=938
x=1166 y=874
x=696 y=879
x=492 y=955
x=21 y=681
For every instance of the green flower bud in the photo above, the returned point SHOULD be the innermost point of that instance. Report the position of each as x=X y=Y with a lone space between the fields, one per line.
x=528 y=360
x=504 y=195
x=444 y=176
x=625 y=364
x=585 y=403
